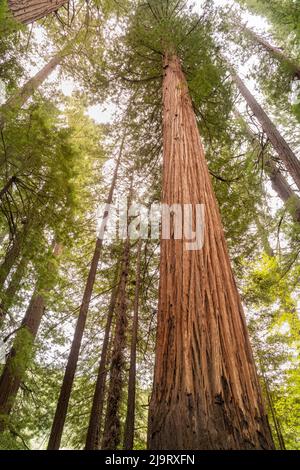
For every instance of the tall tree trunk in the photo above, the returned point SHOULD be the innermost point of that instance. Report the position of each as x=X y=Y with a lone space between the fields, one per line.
x=276 y=421
x=8 y=295
x=13 y=253
x=281 y=186
x=17 y=100
x=274 y=51
x=66 y=388
x=130 y=417
x=20 y=354
x=279 y=183
x=92 y=439
x=112 y=426
x=27 y=11
x=206 y=393
x=279 y=144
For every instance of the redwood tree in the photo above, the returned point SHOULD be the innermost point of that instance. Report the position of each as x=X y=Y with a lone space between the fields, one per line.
x=206 y=392
x=205 y=384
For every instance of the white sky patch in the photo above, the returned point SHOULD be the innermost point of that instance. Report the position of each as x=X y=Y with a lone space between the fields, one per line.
x=67 y=86
x=102 y=114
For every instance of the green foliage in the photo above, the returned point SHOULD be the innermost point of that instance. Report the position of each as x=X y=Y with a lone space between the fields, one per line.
x=284 y=16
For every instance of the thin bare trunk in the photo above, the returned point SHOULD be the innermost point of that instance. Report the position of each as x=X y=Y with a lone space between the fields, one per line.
x=130 y=417
x=279 y=183
x=27 y=11
x=279 y=144
x=92 y=439
x=13 y=286
x=17 y=100
x=66 y=388
x=112 y=427
x=283 y=189
x=13 y=253
x=206 y=392
x=275 y=52
x=276 y=421
x=20 y=354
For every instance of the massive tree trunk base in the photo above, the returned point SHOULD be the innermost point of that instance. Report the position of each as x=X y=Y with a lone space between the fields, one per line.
x=195 y=430
x=206 y=393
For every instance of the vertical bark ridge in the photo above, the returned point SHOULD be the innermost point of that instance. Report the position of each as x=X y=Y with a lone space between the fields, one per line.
x=27 y=11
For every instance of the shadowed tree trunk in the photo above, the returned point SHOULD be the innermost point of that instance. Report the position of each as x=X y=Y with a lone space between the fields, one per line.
x=13 y=253
x=206 y=393
x=27 y=11
x=112 y=426
x=274 y=51
x=20 y=354
x=8 y=295
x=279 y=144
x=281 y=186
x=130 y=417
x=92 y=439
x=66 y=388
x=17 y=100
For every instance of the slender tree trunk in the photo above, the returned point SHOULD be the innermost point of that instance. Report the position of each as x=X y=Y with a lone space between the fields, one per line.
x=14 y=285
x=272 y=409
x=66 y=388
x=206 y=393
x=13 y=253
x=279 y=183
x=112 y=426
x=92 y=439
x=17 y=100
x=27 y=11
x=20 y=354
x=130 y=417
x=281 y=186
x=275 y=52
x=279 y=144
